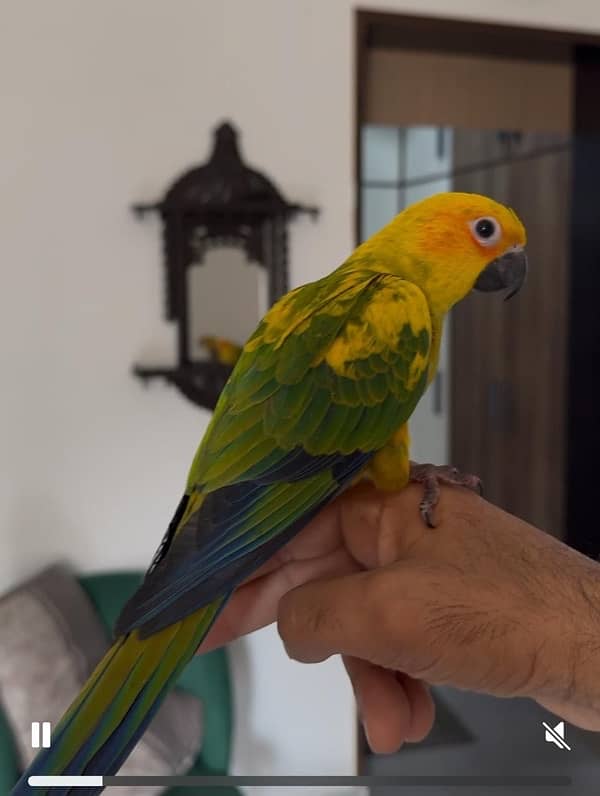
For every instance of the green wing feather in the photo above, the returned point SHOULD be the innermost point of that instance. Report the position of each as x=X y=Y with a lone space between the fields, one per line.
x=330 y=374
x=283 y=394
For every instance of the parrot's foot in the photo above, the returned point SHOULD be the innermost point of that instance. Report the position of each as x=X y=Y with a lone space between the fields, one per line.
x=431 y=476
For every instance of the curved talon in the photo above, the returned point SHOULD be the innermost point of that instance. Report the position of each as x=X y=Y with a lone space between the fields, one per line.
x=426 y=514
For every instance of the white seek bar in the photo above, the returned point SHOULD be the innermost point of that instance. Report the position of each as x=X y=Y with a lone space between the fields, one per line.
x=71 y=782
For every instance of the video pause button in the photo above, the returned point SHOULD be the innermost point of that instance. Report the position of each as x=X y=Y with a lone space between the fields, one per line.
x=45 y=734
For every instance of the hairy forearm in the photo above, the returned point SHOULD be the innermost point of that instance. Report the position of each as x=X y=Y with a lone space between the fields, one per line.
x=578 y=658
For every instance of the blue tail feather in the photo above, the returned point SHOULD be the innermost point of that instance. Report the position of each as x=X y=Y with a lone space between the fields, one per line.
x=104 y=746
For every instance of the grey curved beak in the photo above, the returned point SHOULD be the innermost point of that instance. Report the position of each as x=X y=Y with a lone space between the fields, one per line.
x=507 y=272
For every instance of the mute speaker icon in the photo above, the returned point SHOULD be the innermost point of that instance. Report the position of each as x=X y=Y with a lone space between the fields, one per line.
x=556 y=735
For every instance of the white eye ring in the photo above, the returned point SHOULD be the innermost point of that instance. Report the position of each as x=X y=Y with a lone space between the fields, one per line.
x=486 y=230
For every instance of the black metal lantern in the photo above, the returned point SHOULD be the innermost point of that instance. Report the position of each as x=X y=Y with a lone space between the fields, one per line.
x=220 y=203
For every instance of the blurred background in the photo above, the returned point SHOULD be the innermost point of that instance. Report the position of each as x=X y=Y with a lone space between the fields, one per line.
x=349 y=111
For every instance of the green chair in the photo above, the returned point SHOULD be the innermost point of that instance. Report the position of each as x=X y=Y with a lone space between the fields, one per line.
x=206 y=677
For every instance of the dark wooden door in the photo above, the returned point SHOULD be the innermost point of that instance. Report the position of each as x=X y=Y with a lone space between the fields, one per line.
x=508 y=360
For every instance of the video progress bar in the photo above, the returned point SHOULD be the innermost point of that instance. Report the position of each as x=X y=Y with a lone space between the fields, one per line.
x=494 y=781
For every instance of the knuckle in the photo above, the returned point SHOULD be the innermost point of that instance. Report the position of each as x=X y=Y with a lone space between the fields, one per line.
x=306 y=627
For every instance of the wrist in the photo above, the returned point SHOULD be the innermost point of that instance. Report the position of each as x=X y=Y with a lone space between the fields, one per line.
x=573 y=691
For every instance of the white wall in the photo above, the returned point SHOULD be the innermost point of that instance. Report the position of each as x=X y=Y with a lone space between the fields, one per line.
x=101 y=104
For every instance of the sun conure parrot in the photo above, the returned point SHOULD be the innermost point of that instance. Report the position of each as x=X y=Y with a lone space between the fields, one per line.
x=221 y=350
x=319 y=398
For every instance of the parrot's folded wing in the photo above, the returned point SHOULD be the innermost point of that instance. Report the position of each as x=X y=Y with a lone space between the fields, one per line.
x=331 y=372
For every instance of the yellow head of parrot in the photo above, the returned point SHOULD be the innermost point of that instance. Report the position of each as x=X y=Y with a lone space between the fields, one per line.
x=452 y=243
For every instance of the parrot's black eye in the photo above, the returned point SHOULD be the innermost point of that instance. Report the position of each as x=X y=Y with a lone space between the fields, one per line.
x=485 y=228
x=486 y=231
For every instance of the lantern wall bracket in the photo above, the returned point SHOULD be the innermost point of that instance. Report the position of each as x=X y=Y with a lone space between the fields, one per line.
x=220 y=202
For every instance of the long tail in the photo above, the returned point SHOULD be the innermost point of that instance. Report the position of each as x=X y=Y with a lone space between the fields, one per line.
x=100 y=729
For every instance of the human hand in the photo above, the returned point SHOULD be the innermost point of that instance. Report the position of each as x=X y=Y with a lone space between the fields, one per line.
x=504 y=607
x=394 y=707
x=484 y=602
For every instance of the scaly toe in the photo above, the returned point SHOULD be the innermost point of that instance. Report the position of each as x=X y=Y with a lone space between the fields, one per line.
x=431 y=476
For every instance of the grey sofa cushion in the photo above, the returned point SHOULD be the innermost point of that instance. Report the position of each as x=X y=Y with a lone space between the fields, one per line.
x=50 y=640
